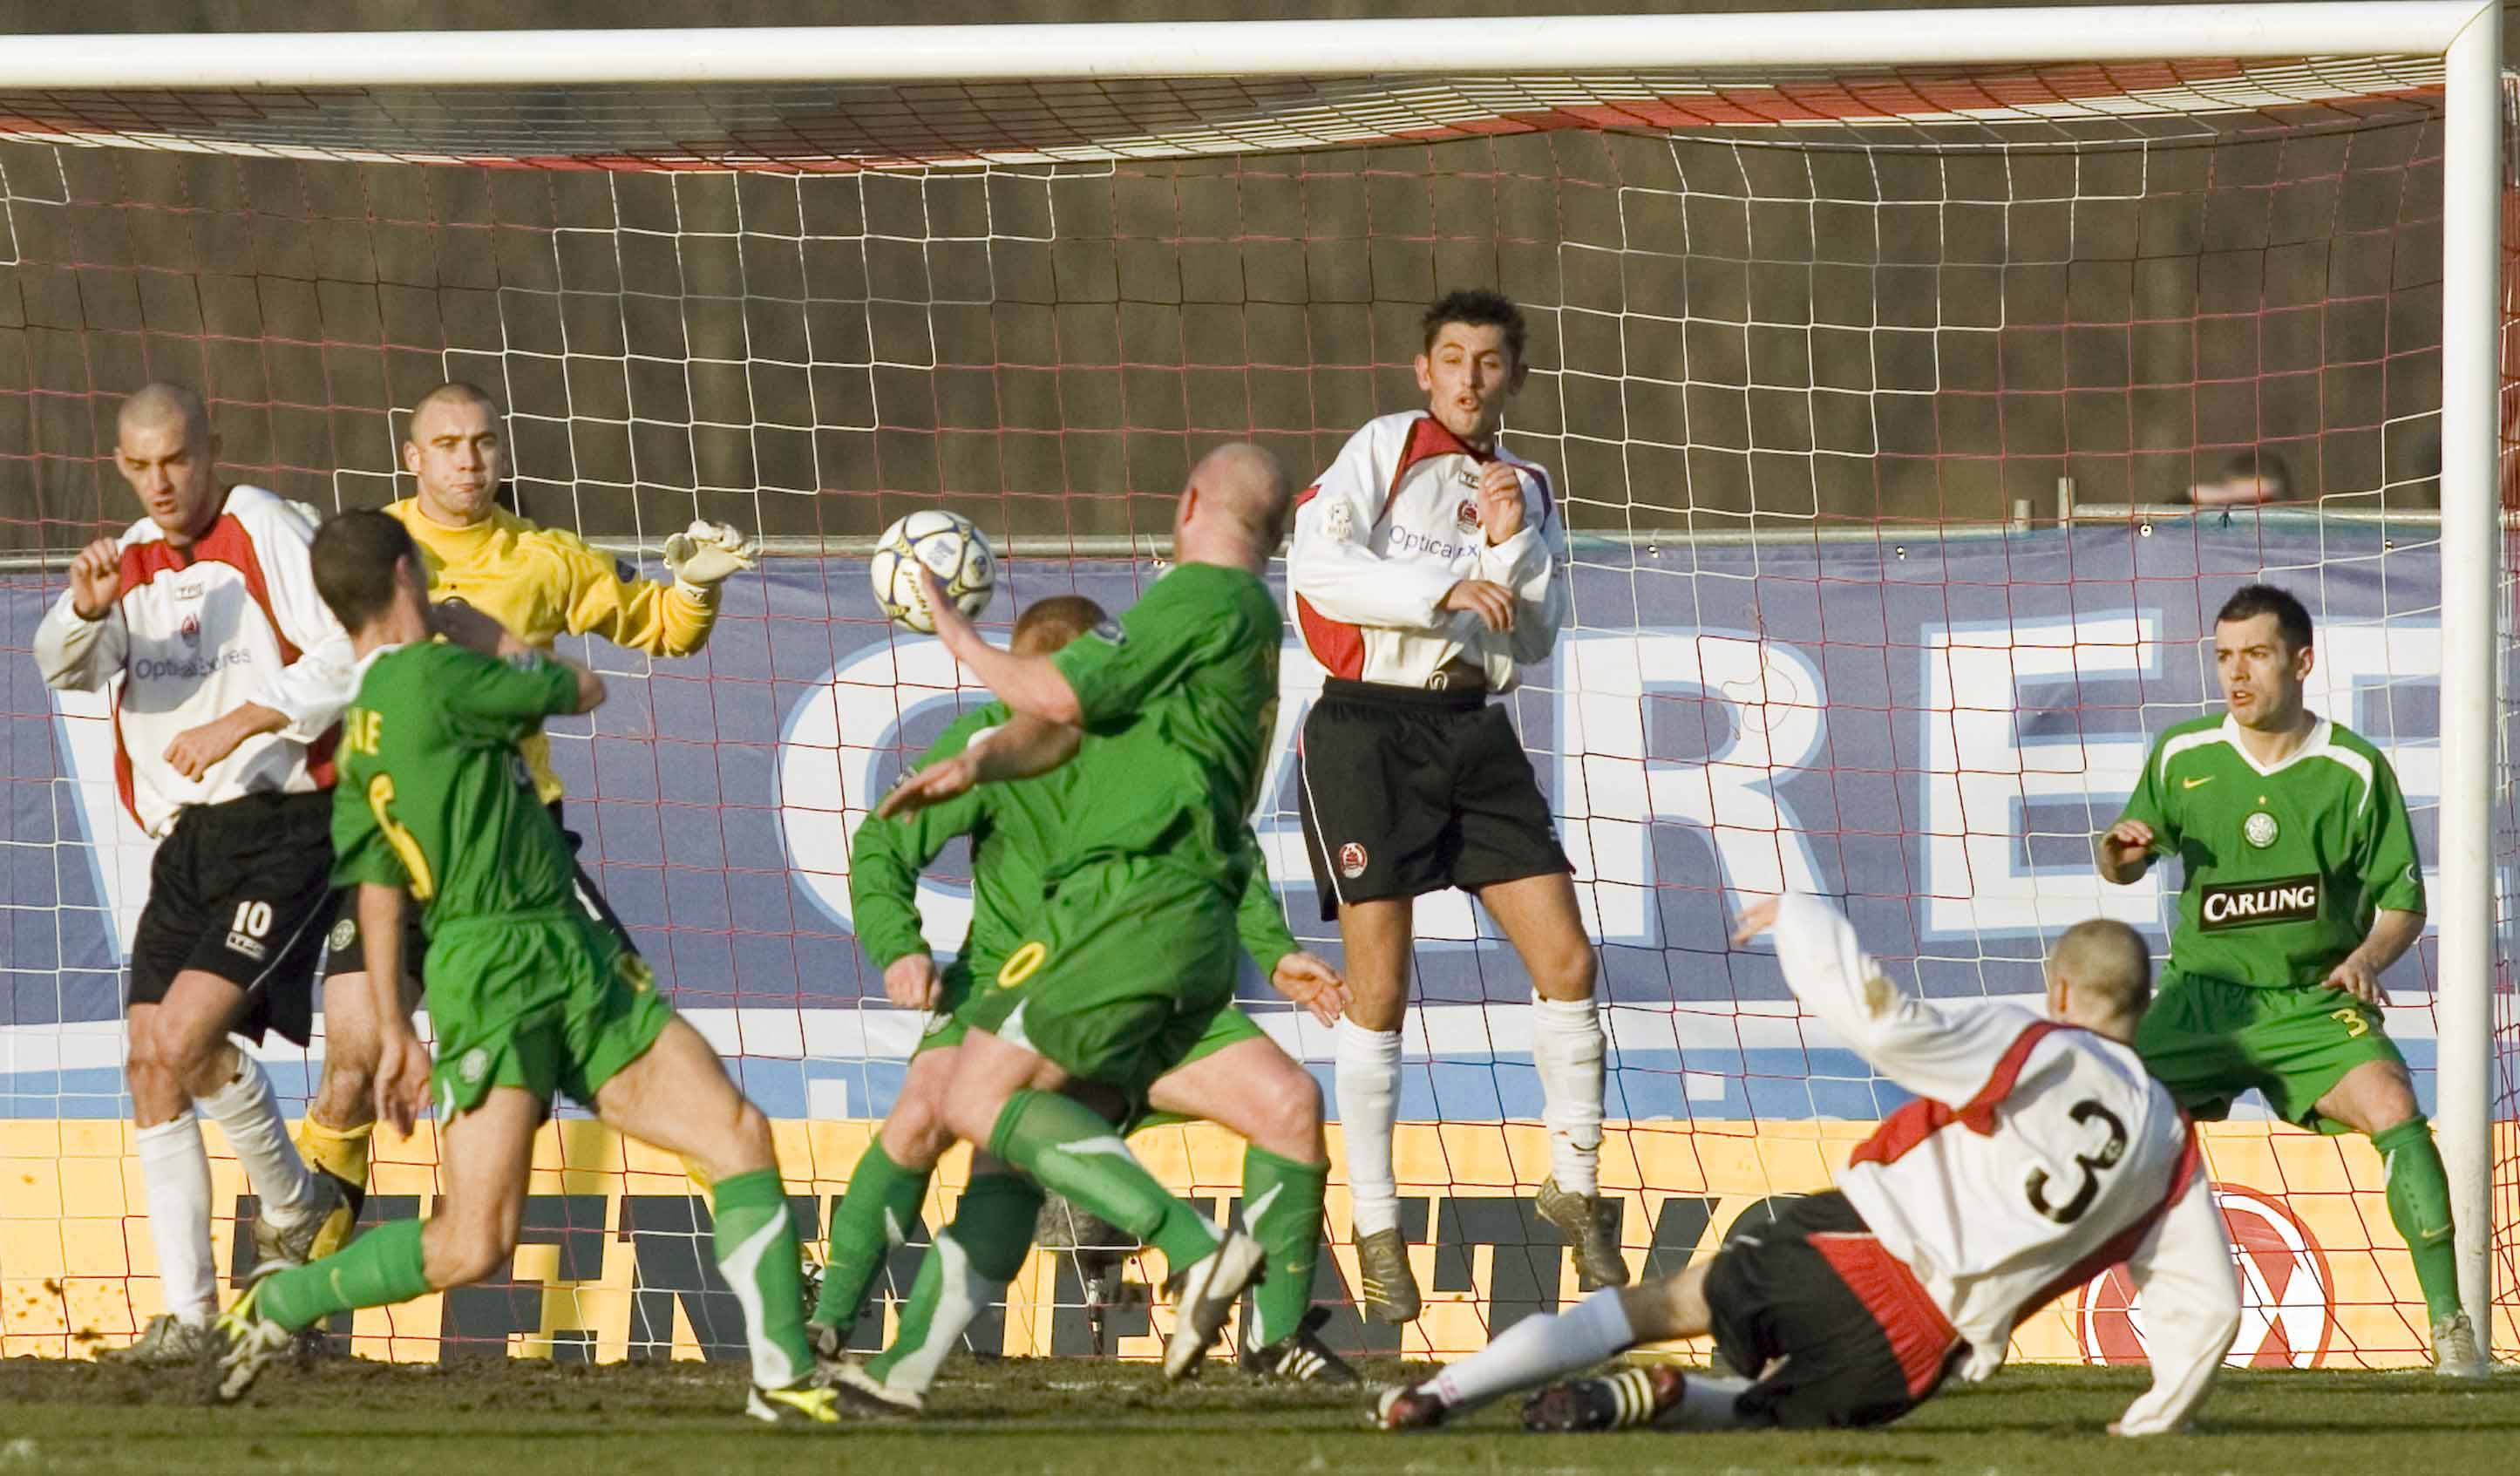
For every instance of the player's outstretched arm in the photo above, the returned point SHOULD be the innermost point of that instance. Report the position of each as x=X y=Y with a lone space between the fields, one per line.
x=642 y=614
x=1031 y=687
x=1019 y=749
x=309 y=693
x=2191 y=1310
x=402 y=1065
x=1914 y=1042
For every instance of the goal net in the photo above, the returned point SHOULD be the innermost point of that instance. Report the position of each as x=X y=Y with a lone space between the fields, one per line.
x=1891 y=406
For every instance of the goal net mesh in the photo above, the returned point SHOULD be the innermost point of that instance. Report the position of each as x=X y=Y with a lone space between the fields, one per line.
x=1881 y=402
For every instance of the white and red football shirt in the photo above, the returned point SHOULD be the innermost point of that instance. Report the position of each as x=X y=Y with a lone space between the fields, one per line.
x=195 y=633
x=1387 y=533
x=2037 y=1156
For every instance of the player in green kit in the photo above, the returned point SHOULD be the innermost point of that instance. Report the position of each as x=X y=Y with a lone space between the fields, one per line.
x=2302 y=886
x=1133 y=951
x=1234 y=1075
x=530 y=994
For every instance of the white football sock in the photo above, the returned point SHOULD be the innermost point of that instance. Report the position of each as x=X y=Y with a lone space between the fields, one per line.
x=1708 y=1403
x=1367 y=1079
x=1536 y=1349
x=175 y=1180
x=1567 y=1046
x=248 y=1113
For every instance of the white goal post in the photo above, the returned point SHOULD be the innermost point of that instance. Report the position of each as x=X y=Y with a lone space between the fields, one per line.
x=2463 y=35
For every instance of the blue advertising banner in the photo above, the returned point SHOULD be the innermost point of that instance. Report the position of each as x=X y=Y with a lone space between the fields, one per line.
x=1929 y=726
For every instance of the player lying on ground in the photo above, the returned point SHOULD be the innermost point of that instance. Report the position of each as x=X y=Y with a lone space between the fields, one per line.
x=231 y=672
x=2038 y=1155
x=529 y=993
x=1428 y=569
x=1236 y=1076
x=1125 y=966
x=2302 y=886
x=540 y=584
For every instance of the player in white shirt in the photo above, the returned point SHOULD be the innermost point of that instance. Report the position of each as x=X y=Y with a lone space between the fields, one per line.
x=1429 y=568
x=2036 y=1155
x=227 y=676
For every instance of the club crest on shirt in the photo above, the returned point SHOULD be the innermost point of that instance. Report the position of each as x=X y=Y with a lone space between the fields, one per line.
x=474 y=1065
x=2260 y=829
x=1466 y=516
x=1111 y=631
x=344 y=933
x=1351 y=861
x=190 y=631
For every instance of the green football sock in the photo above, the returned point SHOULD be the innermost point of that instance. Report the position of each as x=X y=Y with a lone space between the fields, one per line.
x=377 y=1269
x=757 y=1253
x=966 y=1270
x=1071 y=1151
x=1282 y=1208
x=875 y=1215
x=2419 y=1207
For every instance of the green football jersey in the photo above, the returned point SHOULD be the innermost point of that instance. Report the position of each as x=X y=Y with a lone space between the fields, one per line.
x=2285 y=866
x=1014 y=829
x=1181 y=694
x=433 y=794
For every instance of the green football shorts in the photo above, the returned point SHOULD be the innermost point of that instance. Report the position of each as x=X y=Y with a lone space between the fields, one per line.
x=945 y=1023
x=2209 y=1040
x=1120 y=976
x=550 y=1003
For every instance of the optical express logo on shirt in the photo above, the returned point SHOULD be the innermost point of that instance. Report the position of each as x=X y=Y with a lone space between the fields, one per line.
x=189 y=667
x=2286 y=899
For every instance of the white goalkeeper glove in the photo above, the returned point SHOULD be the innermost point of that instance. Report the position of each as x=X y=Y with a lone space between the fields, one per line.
x=704 y=553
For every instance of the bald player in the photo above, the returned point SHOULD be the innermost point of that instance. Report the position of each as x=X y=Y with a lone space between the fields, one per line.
x=1167 y=714
x=540 y=584
x=228 y=675
x=2038 y=1155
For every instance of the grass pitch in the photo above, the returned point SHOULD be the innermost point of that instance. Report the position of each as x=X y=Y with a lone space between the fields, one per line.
x=1053 y=1417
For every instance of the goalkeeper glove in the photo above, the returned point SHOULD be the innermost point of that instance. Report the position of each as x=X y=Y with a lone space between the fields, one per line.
x=704 y=553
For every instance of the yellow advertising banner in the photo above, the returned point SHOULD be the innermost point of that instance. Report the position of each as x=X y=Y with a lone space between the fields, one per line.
x=616 y=1261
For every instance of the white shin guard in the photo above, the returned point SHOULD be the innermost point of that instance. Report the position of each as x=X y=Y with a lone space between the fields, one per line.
x=1368 y=1080
x=248 y=1114
x=175 y=1178
x=1567 y=1048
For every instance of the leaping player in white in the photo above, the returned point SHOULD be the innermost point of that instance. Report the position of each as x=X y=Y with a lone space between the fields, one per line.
x=2038 y=1155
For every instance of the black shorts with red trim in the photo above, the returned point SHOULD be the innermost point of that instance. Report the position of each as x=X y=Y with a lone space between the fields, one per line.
x=1835 y=1330
x=344 y=954
x=1407 y=791
x=241 y=890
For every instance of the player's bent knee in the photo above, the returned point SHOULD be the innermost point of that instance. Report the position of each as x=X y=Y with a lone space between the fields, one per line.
x=1296 y=1112
x=206 y=1066
x=749 y=1145
x=915 y=1131
x=1568 y=973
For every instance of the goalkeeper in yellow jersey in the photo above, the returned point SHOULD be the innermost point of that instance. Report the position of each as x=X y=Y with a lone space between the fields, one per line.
x=541 y=584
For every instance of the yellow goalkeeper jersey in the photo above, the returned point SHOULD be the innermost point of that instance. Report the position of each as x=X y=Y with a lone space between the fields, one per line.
x=542 y=583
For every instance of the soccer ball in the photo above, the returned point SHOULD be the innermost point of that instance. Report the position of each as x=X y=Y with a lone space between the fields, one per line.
x=953 y=550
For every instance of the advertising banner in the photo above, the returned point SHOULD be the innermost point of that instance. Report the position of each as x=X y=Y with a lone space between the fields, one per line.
x=1927 y=727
